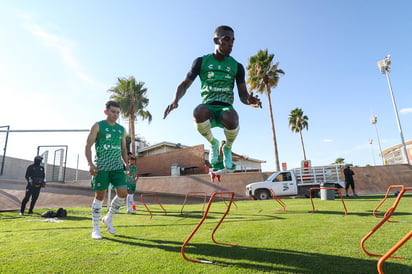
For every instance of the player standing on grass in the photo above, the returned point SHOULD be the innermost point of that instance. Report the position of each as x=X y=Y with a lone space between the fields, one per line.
x=218 y=72
x=110 y=144
x=131 y=179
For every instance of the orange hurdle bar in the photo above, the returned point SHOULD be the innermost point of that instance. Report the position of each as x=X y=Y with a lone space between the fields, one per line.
x=282 y=204
x=392 y=250
x=212 y=198
x=384 y=199
x=340 y=193
x=386 y=217
x=187 y=194
x=156 y=199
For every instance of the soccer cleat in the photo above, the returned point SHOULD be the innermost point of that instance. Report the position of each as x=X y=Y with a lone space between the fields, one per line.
x=108 y=223
x=131 y=211
x=30 y=212
x=96 y=235
x=214 y=152
x=227 y=158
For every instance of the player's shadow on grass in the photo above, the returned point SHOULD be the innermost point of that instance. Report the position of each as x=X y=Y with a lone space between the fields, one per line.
x=252 y=259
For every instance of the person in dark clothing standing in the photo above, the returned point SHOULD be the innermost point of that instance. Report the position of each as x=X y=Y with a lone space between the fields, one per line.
x=35 y=181
x=349 y=180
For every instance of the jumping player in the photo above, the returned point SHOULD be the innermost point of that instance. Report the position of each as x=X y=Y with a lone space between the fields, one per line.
x=110 y=143
x=218 y=72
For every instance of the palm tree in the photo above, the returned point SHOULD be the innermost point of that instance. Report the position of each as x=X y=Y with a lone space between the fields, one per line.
x=133 y=102
x=263 y=76
x=298 y=122
x=340 y=160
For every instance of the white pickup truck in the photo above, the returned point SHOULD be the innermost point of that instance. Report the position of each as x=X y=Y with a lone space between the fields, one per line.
x=296 y=181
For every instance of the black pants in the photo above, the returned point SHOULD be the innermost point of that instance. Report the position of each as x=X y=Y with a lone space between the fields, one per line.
x=34 y=193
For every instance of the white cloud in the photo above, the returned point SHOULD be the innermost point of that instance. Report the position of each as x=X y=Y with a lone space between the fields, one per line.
x=406 y=110
x=64 y=48
x=327 y=140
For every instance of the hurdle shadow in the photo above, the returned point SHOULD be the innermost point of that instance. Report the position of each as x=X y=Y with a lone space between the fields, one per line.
x=252 y=259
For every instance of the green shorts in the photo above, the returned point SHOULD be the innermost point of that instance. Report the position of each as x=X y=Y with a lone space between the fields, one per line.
x=216 y=113
x=131 y=184
x=103 y=178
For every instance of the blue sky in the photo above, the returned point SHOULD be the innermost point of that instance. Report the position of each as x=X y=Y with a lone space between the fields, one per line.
x=59 y=58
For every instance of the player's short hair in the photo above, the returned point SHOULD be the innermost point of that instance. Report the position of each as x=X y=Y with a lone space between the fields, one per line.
x=222 y=28
x=112 y=104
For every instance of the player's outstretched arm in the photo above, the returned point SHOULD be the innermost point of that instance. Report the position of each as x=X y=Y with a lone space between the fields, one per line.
x=248 y=98
x=180 y=92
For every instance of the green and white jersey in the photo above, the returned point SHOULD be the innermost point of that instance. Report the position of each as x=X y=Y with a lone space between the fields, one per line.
x=217 y=79
x=108 y=146
x=132 y=170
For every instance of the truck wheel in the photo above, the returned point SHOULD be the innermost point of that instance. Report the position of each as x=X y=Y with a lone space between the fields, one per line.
x=262 y=194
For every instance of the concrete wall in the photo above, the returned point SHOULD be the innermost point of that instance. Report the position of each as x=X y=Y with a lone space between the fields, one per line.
x=234 y=182
x=15 y=169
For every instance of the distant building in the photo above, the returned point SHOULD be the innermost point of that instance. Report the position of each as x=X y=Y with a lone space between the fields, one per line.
x=394 y=155
x=160 y=159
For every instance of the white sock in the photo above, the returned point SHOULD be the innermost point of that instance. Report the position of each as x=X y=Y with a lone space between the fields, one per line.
x=117 y=202
x=130 y=198
x=96 y=212
x=205 y=130
x=231 y=135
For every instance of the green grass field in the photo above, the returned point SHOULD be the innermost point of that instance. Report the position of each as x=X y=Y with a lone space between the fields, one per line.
x=295 y=241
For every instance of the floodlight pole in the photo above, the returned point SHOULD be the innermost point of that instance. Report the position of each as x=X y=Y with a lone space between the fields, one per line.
x=385 y=66
x=374 y=121
x=373 y=153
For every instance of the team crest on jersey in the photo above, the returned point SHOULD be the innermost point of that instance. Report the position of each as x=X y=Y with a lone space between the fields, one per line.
x=108 y=136
x=228 y=69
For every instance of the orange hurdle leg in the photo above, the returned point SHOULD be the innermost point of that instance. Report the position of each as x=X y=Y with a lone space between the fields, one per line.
x=277 y=199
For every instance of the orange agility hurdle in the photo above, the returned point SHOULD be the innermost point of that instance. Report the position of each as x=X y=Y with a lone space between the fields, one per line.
x=384 y=199
x=282 y=204
x=386 y=217
x=340 y=193
x=194 y=193
x=212 y=198
x=156 y=199
x=392 y=250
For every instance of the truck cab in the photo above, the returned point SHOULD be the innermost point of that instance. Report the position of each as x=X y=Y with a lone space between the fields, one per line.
x=282 y=183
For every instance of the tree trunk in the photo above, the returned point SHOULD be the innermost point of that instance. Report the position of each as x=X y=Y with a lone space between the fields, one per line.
x=303 y=146
x=132 y=118
x=272 y=120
